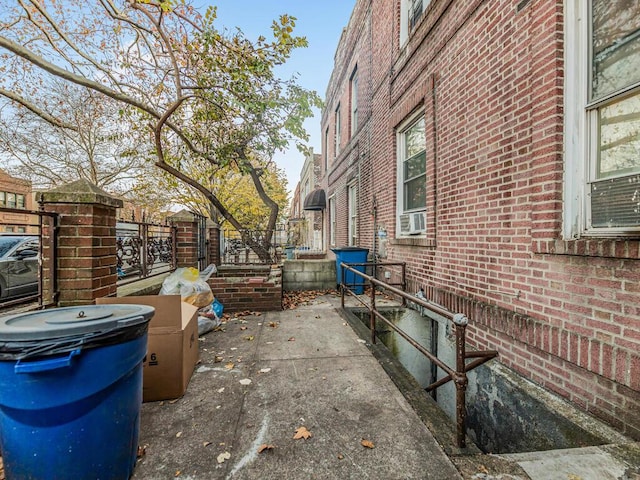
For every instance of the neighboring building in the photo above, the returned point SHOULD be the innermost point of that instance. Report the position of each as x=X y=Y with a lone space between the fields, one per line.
x=493 y=146
x=16 y=193
x=308 y=204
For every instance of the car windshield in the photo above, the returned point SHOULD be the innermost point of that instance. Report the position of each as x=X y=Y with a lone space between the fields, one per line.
x=7 y=243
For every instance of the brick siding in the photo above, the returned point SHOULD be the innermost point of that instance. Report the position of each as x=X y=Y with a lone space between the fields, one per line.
x=488 y=76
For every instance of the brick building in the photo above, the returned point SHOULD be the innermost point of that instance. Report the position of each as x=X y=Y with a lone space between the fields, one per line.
x=492 y=145
x=15 y=193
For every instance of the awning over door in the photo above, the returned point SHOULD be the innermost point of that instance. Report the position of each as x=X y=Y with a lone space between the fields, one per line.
x=316 y=200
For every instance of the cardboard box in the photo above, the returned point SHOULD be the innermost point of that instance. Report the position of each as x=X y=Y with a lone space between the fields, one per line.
x=172 y=348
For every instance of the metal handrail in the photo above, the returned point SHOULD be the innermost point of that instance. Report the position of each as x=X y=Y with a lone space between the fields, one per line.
x=458 y=374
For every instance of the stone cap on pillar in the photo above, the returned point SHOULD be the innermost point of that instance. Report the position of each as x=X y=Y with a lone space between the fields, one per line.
x=188 y=216
x=80 y=191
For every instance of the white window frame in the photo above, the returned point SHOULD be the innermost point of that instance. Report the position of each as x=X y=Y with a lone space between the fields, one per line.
x=581 y=128
x=405 y=18
x=326 y=149
x=401 y=156
x=354 y=101
x=332 y=221
x=338 y=127
x=352 y=205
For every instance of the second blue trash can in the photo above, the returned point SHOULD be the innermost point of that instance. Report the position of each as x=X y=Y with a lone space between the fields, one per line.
x=351 y=255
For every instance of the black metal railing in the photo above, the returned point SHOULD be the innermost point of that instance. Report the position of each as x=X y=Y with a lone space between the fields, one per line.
x=144 y=250
x=457 y=373
x=239 y=247
x=28 y=281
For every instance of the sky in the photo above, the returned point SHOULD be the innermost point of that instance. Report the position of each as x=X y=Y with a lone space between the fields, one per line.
x=322 y=23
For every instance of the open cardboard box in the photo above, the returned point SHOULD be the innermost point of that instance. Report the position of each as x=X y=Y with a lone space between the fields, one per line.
x=172 y=348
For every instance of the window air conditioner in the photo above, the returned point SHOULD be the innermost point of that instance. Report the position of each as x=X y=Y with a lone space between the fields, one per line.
x=413 y=223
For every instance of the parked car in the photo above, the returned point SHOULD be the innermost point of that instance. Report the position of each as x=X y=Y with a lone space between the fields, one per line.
x=18 y=265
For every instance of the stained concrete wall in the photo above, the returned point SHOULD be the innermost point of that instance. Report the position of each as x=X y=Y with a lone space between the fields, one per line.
x=300 y=275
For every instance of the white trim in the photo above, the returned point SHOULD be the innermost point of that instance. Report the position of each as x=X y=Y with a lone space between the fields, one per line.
x=575 y=98
x=352 y=212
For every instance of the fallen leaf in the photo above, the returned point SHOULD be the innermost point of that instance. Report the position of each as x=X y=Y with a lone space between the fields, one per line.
x=483 y=469
x=178 y=435
x=317 y=316
x=173 y=401
x=224 y=456
x=243 y=328
x=249 y=338
x=265 y=370
x=206 y=444
x=178 y=473
x=265 y=446
x=367 y=443
x=291 y=339
x=142 y=451
x=220 y=390
x=273 y=324
x=302 y=432
x=574 y=477
x=217 y=359
x=340 y=456
x=229 y=366
x=245 y=381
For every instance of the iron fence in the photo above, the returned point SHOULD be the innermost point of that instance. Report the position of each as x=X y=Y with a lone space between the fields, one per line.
x=236 y=250
x=456 y=374
x=144 y=250
x=28 y=244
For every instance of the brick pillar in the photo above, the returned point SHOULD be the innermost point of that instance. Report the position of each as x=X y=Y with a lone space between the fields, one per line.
x=86 y=246
x=187 y=238
x=214 y=245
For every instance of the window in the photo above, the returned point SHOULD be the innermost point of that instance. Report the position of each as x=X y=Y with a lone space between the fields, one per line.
x=336 y=150
x=353 y=215
x=412 y=177
x=410 y=15
x=11 y=200
x=332 y=221
x=326 y=149
x=3 y=199
x=20 y=201
x=354 y=101
x=602 y=124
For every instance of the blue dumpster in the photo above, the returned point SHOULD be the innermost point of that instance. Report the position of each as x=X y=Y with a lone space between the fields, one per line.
x=351 y=255
x=71 y=391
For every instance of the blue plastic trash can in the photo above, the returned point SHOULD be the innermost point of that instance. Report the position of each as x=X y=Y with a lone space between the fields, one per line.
x=351 y=255
x=71 y=391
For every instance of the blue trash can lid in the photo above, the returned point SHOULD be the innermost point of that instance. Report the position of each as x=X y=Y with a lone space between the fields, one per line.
x=72 y=322
x=350 y=249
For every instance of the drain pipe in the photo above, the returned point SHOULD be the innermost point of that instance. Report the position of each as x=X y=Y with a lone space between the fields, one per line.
x=460 y=378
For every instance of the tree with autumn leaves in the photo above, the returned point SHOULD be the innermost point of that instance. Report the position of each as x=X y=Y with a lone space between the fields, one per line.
x=205 y=100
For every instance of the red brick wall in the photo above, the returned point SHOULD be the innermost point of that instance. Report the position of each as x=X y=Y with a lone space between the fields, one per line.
x=248 y=288
x=86 y=253
x=489 y=77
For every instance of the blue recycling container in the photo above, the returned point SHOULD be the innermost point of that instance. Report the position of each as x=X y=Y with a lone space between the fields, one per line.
x=351 y=255
x=71 y=391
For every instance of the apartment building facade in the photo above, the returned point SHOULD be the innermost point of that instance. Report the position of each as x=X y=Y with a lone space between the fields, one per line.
x=493 y=146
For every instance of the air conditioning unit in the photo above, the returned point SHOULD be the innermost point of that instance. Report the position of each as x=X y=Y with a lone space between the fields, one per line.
x=413 y=223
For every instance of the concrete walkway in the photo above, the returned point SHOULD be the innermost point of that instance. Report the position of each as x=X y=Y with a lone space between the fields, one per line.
x=263 y=377
x=309 y=369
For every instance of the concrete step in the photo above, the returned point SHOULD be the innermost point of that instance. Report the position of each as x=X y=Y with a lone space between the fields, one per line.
x=604 y=462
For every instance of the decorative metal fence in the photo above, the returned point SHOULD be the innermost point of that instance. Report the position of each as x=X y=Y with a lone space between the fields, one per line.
x=144 y=250
x=236 y=251
x=28 y=240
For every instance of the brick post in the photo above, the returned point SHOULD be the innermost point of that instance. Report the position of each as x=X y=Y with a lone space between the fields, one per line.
x=214 y=245
x=86 y=246
x=187 y=238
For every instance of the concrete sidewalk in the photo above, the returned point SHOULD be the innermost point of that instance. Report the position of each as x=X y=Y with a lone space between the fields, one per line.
x=307 y=368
